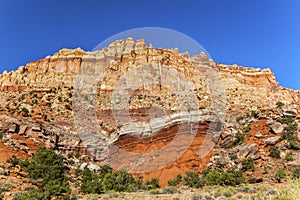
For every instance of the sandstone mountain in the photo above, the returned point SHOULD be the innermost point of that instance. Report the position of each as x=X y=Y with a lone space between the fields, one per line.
x=145 y=102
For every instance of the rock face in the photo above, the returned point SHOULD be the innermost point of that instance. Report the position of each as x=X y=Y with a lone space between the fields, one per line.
x=276 y=127
x=61 y=70
x=273 y=140
x=144 y=99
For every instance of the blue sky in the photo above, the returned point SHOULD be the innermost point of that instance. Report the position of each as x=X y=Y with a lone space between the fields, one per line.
x=257 y=33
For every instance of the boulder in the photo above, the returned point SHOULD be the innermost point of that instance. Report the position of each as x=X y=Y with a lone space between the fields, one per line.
x=227 y=142
x=13 y=128
x=293 y=164
x=93 y=167
x=83 y=166
x=272 y=140
x=290 y=110
x=245 y=150
x=276 y=127
x=23 y=129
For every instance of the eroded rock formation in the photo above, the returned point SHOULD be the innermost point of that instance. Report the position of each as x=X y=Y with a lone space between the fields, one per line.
x=141 y=98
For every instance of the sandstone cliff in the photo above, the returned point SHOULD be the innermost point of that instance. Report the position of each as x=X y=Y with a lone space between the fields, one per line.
x=62 y=102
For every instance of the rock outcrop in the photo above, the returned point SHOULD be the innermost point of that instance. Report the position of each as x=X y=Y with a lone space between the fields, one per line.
x=139 y=99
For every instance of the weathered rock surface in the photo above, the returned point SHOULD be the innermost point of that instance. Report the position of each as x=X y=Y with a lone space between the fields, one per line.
x=276 y=127
x=61 y=102
x=273 y=140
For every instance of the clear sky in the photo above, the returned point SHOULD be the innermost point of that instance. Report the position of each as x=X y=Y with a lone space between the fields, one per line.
x=256 y=33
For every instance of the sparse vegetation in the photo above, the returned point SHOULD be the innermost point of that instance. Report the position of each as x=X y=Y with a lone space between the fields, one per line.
x=14 y=161
x=175 y=181
x=246 y=128
x=192 y=179
x=296 y=173
x=274 y=152
x=248 y=165
x=265 y=170
x=294 y=145
x=254 y=114
x=290 y=137
x=68 y=107
x=289 y=157
x=239 y=139
x=289 y=132
x=152 y=184
x=279 y=104
x=25 y=111
x=280 y=175
x=77 y=155
x=239 y=118
x=90 y=183
x=119 y=181
x=230 y=177
x=287 y=120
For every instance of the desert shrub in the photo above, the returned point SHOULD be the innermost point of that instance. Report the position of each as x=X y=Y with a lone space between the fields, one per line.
x=119 y=181
x=246 y=129
x=239 y=118
x=296 y=173
x=229 y=177
x=292 y=127
x=90 y=183
x=68 y=107
x=265 y=170
x=289 y=136
x=274 y=152
x=248 y=165
x=294 y=145
x=280 y=175
x=77 y=155
x=70 y=155
x=279 y=104
x=289 y=157
x=152 y=184
x=46 y=167
x=17 y=195
x=254 y=114
x=13 y=160
x=6 y=187
x=174 y=182
x=105 y=169
x=192 y=179
x=25 y=111
x=287 y=120
x=233 y=157
x=1 y=135
x=24 y=163
x=239 y=139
